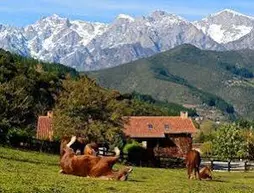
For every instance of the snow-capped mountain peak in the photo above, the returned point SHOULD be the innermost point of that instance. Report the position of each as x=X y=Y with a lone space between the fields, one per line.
x=52 y=20
x=54 y=17
x=232 y=12
x=226 y=26
x=159 y=15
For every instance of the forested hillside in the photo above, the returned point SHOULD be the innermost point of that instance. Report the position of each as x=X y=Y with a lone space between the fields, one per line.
x=190 y=76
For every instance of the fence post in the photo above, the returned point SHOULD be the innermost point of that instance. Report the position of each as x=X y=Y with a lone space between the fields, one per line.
x=229 y=165
x=245 y=165
x=211 y=164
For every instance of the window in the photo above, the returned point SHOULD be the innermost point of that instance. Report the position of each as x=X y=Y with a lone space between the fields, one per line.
x=150 y=126
x=166 y=127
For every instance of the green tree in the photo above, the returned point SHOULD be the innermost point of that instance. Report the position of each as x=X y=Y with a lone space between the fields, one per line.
x=24 y=92
x=84 y=108
x=229 y=142
x=207 y=148
x=140 y=108
x=249 y=137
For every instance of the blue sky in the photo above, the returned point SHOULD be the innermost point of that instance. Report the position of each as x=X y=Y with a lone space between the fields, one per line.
x=23 y=12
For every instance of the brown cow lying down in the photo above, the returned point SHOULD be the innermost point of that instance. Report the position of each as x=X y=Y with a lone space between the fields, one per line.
x=193 y=160
x=205 y=173
x=91 y=166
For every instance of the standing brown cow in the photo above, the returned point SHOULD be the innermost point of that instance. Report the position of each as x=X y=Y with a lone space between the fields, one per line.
x=193 y=161
x=91 y=166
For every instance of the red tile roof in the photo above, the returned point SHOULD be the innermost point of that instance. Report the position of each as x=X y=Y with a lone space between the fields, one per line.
x=44 y=127
x=138 y=127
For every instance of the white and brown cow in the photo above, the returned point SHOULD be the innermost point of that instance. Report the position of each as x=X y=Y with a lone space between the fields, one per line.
x=91 y=166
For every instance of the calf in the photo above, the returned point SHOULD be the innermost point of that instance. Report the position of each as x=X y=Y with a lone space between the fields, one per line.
x=91 y=166
x=205 y=173
x=193 y=160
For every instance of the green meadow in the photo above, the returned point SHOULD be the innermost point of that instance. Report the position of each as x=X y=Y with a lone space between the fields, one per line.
x=22 y=171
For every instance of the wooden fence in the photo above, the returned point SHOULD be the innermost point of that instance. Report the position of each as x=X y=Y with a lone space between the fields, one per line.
x=234 y=164
x=216 y=164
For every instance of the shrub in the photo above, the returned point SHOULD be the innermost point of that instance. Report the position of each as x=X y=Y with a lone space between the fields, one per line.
x=135 y=152
x=15 y=136
x=131 y=145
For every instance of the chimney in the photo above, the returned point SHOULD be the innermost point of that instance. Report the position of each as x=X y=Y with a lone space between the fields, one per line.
x=50 y=114
x=184 y=114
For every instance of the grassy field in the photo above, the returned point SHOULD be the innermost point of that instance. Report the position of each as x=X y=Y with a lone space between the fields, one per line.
x=22 y=171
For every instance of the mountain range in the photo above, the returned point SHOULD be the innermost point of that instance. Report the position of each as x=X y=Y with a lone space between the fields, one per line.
x=190 y=76
x=89 y=46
